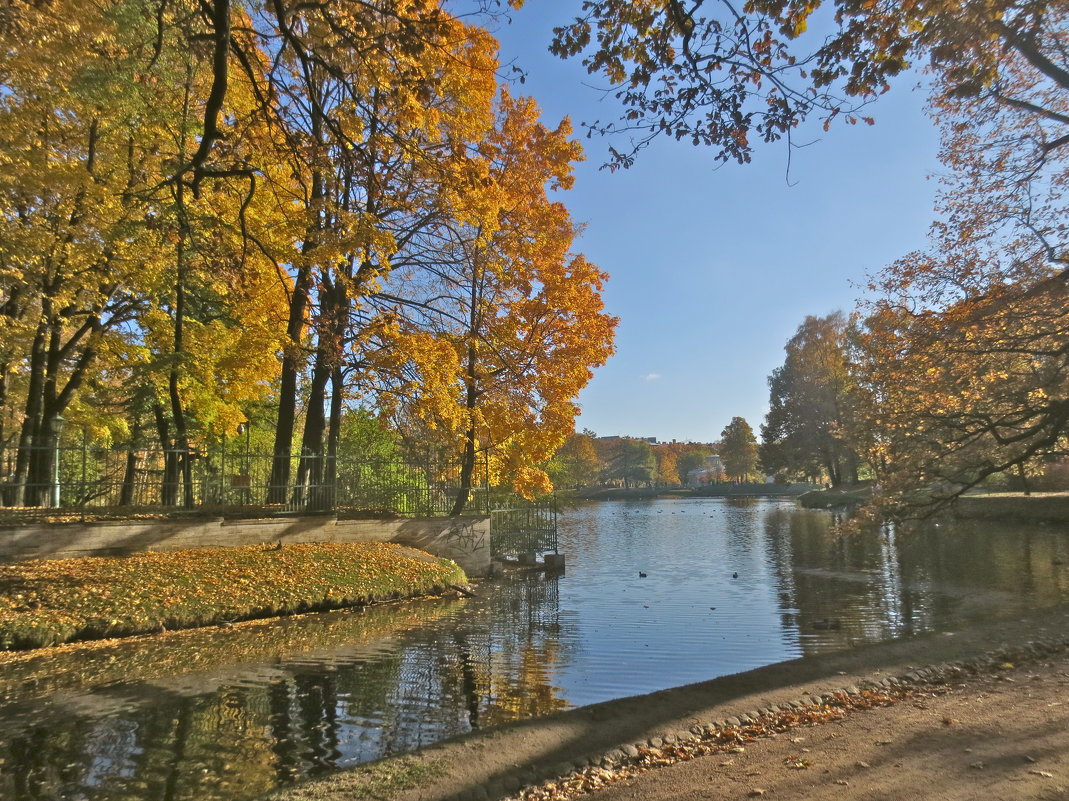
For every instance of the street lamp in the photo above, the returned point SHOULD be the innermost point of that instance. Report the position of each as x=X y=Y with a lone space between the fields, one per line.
x=57 y=427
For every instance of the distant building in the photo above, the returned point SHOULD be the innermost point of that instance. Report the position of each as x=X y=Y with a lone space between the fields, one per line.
x=712 y=472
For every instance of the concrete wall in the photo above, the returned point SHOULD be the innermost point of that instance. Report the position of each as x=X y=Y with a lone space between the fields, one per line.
x=465 y=540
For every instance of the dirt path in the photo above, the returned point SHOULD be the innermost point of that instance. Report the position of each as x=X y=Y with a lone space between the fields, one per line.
x=998 y=736
x=994 y=700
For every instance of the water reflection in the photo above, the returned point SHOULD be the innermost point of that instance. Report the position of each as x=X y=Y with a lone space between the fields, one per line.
x=728 y=585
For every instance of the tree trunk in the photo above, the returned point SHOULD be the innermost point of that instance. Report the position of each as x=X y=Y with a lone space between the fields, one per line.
x=334 y=436
x=169 y=485
x=129 y=477
x=467 y=461
x=29 y=435
x=178 y=415
x=310 y=469
x=292 y=361
x=278 y=483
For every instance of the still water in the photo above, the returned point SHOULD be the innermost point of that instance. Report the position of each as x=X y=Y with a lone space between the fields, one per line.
x=729 y=585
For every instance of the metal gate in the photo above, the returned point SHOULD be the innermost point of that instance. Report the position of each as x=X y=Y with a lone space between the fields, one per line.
x=527 y=529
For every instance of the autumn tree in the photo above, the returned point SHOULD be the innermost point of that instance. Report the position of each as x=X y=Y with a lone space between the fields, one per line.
x=807 y=429
x=738 y=450
x=519 y=310
x=576 y=462
x=726 y=76
x=631 y=461
x=151 y=286
x=379 y=135
x=97 y=236
x=963 y=356
x=667 y=467
x=204 y=204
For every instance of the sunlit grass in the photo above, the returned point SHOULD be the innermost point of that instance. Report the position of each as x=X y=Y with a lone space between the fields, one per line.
x=49 y=602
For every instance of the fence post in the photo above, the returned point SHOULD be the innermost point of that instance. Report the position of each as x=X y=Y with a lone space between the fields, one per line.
x=85 y=457
x=222 y=474
x=57 y=426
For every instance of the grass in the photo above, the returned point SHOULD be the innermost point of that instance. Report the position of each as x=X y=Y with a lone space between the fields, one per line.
x=45 y=603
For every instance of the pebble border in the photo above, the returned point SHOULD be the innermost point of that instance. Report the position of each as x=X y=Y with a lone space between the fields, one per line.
x=600 y=769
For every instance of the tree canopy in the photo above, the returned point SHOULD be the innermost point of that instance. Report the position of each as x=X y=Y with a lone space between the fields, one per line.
x=209 y=207
x=738 y=450
x=808 y=426
x=727 y=76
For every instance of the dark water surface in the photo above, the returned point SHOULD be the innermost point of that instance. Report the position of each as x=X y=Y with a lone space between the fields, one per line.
x=232 y=713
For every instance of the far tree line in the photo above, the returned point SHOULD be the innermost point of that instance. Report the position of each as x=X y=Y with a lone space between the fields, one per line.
x=587 y=460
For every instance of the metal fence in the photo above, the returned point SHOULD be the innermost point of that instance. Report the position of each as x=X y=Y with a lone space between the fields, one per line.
x=86 y=479
x=525 y=528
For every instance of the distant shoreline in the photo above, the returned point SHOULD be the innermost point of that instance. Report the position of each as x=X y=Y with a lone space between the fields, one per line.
x=712 y=491
x=1038 y=507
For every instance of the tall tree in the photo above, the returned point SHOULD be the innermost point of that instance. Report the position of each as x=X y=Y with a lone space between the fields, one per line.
x=807 y=429
x=964 y=358
x=379 y=134
x=632 y=462
x=520 y=310
x=738 y=450
x=667 y=467
x=576 y=463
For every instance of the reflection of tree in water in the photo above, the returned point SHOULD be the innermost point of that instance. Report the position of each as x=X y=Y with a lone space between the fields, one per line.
x=843 y=589
x=521 y=649
x=839 y=589
x=409 y=687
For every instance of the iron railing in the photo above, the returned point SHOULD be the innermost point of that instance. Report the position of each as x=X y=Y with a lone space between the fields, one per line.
x=84 y=481
x=85 y=477
x=524 y=528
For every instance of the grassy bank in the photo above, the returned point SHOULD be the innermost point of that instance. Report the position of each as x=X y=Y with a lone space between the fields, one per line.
x=1039 y=507
x=45 y=603
x=834 y=498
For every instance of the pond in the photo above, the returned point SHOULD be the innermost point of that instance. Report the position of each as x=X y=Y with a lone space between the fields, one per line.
x=656 y=594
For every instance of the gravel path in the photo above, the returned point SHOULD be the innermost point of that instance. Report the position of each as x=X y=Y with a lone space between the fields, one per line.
x=1000 y=735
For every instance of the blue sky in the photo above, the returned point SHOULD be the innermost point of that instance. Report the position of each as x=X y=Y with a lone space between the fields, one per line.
x=712 y=267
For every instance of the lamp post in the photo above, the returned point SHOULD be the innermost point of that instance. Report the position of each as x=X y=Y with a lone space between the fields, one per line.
x=57 y=428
